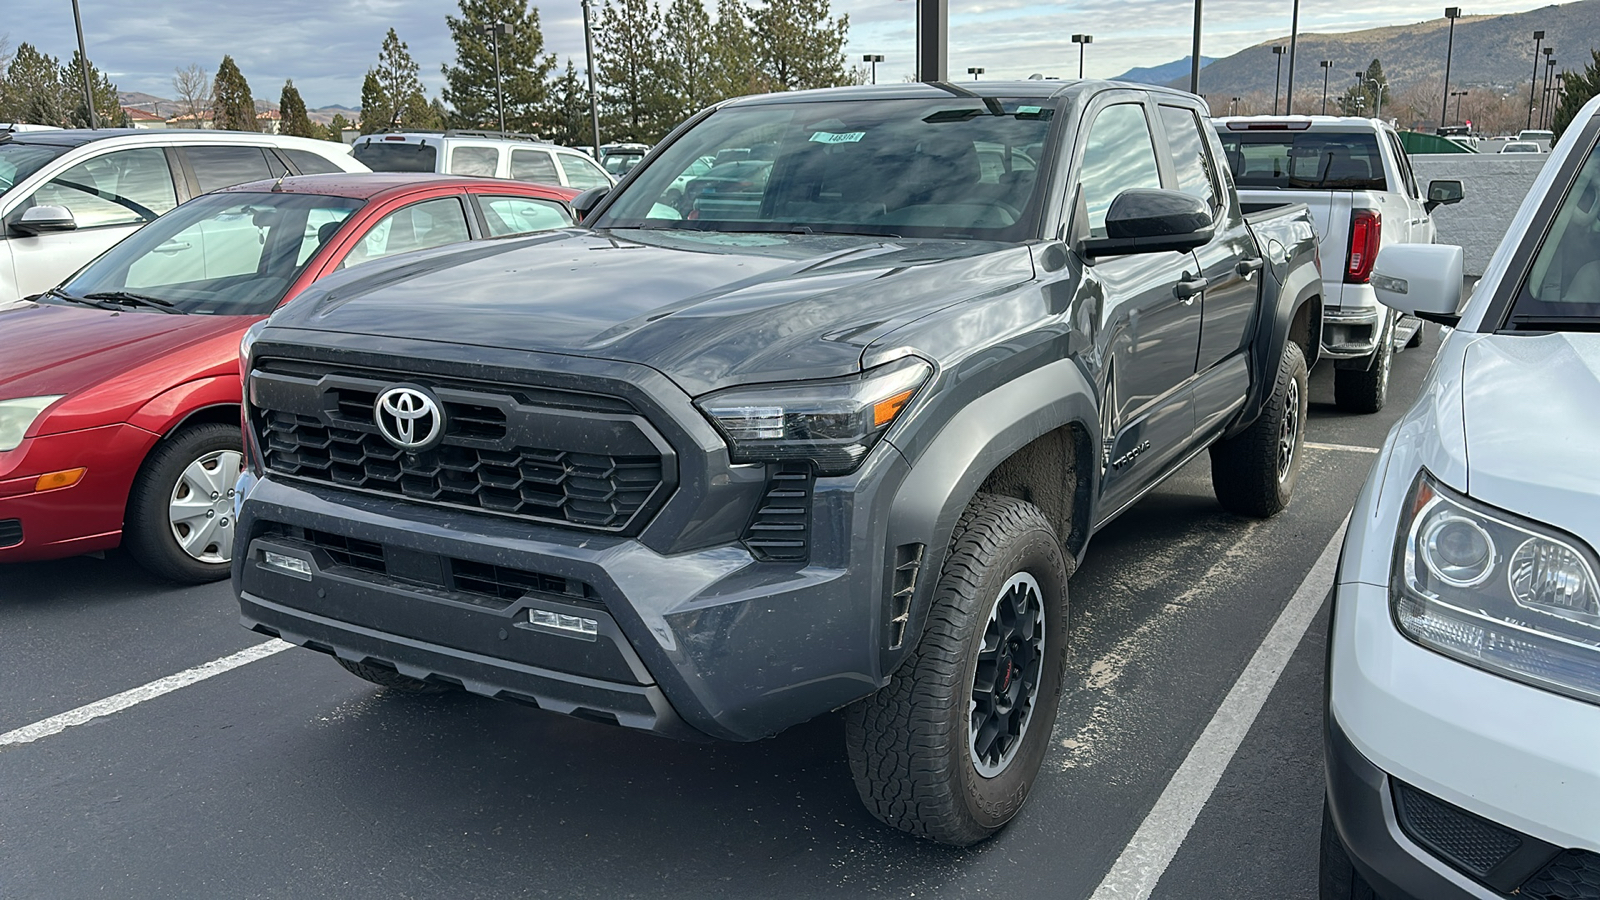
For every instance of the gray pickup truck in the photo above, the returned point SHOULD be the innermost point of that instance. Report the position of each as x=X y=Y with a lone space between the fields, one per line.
x=828 y=429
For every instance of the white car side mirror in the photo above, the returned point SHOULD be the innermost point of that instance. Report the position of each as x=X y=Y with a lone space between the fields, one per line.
x=1422 y=280
x=39 y=219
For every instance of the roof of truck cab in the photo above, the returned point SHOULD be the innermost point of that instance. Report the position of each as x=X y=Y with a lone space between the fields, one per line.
x=369 y=185
x=978 y=90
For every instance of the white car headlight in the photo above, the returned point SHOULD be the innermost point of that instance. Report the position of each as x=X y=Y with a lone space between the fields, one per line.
x=17 y=415
x=1497 y=591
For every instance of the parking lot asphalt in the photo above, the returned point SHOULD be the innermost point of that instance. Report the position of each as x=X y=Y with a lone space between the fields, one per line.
x=286 y=777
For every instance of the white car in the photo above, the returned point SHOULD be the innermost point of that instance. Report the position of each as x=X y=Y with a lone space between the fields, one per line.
x=481 y=154
x=1463 y=720
x=66 y=196
x=1520 y=147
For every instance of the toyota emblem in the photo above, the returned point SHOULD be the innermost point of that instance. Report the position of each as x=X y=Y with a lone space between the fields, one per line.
x=408 y=418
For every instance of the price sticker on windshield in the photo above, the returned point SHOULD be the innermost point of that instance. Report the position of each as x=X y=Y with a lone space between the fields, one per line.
x=828 y=137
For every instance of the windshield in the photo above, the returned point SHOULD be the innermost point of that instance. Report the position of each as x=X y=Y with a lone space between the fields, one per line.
x=18 y=161
x=1312 y=160
x=1562 y=290
x=396 y=156
x=222 y=254
x=951 y=167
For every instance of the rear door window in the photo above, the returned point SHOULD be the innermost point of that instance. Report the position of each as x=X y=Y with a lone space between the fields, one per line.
x=219 y=167
x=581 y=173
x=480 y=161
x=431 y=223
x=126 y=187
x=1189 y=160
x=533 y=165
x=522 y=215
x=1305 y=160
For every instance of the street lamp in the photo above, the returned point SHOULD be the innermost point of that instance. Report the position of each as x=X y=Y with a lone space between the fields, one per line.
x=975 y=71
x=1277 y=50
x=1377 y=93
x=873 y=58
x=1458 y=95
x=1080 y=40
x=1452 y=13
x=1549 y=66
x=1533 y=85
x=1294 y=37
x=594 y=104
x=494 y=32
x=1326 y=65
x=1233 y=106
x=83 y=60
x=1194 y=55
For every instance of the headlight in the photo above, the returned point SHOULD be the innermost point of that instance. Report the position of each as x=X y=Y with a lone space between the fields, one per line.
x=17 y=415
x=1497 y=591
x=832 y=423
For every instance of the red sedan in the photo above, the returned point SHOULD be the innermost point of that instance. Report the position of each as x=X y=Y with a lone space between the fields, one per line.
x=119 y=390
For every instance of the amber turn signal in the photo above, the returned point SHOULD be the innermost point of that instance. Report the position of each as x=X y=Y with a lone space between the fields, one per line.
x=57 y=480
x=884 y=411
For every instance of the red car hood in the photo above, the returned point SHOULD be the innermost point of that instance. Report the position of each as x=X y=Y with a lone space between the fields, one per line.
x=47 y=349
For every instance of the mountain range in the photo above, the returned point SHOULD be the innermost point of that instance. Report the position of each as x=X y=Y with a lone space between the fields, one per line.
x=161 y=106
x=1164 y=73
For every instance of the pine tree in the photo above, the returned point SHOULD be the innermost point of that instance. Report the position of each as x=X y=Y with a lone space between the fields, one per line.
x=565 y=117
x=293 y=110
x=107 y=108
x=799 y=44
x=1577 y=88
x=627 y=54
x=400 y=100
x=1362 y=97
x=735 y=71
x=32 y=91
x=232 y=107
x=377 y=110
x=524 y=66
x=336 y=128
x=686 y=63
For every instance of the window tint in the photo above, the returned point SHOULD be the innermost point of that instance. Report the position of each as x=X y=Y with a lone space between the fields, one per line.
x=581 y=173
x=533 y=165
x=310 y=163
x=396 y=156
x=1564 y=281
x=1189 y=160
x=474 y=161
x=122 y=188
x=1118 y=157
x=1317 y=160
x=219 y=167
x=431 y=223
x=520 y=215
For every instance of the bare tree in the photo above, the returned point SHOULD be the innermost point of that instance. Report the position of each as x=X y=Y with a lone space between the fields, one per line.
x=193 y=87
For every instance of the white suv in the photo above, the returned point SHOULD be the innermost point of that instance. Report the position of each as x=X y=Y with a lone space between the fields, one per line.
x=477 y=153
x=66 y=196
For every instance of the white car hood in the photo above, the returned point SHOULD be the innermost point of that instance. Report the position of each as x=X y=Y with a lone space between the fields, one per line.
x=1531 y=407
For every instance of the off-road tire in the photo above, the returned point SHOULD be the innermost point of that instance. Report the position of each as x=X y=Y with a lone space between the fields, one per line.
x=1366 y=390
x=389 y=678
x=146 y=530
x=909 y=743
x=1337 y=878
x=1248 y=473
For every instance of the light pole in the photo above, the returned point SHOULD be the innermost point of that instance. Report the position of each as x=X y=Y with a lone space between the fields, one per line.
x=975 y=71
x=1294 y=36
x=1194 y=54
x=1458 y=95
x=1452 y=13
x=1555 y=98
x=873 y=58
x=1533 y=85
x=594 y=106
x=83 y=60
x=1326 y=65
x=1080 y=40
x=494 y=32
x=1549 y=66
x=1233 y=106
x=1277 y=50
x=1377 y=96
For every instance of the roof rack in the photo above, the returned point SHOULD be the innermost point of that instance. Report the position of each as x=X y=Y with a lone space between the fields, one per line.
x=468 y=132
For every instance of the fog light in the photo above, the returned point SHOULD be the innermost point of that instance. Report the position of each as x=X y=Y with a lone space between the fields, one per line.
x=291 y=565
x=561 y=623
x=57 y=480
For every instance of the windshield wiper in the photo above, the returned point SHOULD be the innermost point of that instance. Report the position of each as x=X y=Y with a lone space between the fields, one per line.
x=131 y=299
x=74 y=298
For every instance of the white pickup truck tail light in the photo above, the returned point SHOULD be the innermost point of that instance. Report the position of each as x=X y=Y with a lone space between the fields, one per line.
x=1366 y=232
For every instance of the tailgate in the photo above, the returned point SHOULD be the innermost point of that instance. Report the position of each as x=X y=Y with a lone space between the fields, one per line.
x=1330 y=216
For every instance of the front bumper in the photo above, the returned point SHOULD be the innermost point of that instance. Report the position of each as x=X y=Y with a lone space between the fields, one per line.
x=83 y=518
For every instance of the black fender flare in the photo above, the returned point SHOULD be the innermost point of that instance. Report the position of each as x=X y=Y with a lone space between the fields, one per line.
x=1303 y=285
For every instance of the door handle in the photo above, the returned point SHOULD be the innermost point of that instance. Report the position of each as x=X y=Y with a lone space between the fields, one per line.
x=1249 y=267
x=172 y=247
x=1189 y=288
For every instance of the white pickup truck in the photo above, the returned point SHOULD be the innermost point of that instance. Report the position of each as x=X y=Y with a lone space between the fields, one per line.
x=1354 y=175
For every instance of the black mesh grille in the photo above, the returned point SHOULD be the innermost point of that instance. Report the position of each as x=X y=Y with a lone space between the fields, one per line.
x=781 y=527
x=1460 y=838
x=10 y=532
x=1574 y=875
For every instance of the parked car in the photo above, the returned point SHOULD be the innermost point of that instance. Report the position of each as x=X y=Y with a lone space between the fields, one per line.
x=68 y=195
x=119 y=390
x=481 y=154
x=620 y=159
x=1463 y=693
x=712 y=473
x=1543 y=137
x=1520 y=147
x=1355 y=176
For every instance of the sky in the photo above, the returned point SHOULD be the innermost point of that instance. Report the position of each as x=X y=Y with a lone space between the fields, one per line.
x=326 y=46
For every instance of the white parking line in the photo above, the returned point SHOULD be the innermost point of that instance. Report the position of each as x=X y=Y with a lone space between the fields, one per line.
x=1347 y=448
x=1146 y=857
x=43 y=728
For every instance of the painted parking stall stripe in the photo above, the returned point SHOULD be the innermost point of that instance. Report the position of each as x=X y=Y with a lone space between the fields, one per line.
x=1140 y=866
x=116 y=703
x=1343 y=448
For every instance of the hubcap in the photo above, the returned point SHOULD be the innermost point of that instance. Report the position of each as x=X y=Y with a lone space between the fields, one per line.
x=201 y=508
x=1005 y=685
x=1289 y=430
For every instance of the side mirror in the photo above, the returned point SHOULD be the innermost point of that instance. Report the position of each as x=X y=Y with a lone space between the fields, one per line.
x=585 y=203
x=1152 y=221
x=37 y=220
x=1422 y=280
x=1443 y=193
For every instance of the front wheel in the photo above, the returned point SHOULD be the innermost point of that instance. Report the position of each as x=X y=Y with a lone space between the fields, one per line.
x=949 y=749
x=179 y=524
x=1254 y=472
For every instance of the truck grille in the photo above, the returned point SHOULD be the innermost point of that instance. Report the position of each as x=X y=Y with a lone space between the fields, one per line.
x=526 y=454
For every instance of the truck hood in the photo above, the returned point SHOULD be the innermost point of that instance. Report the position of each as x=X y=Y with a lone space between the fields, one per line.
x=1532 y=431
x=48 y=349
x=707 y=309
